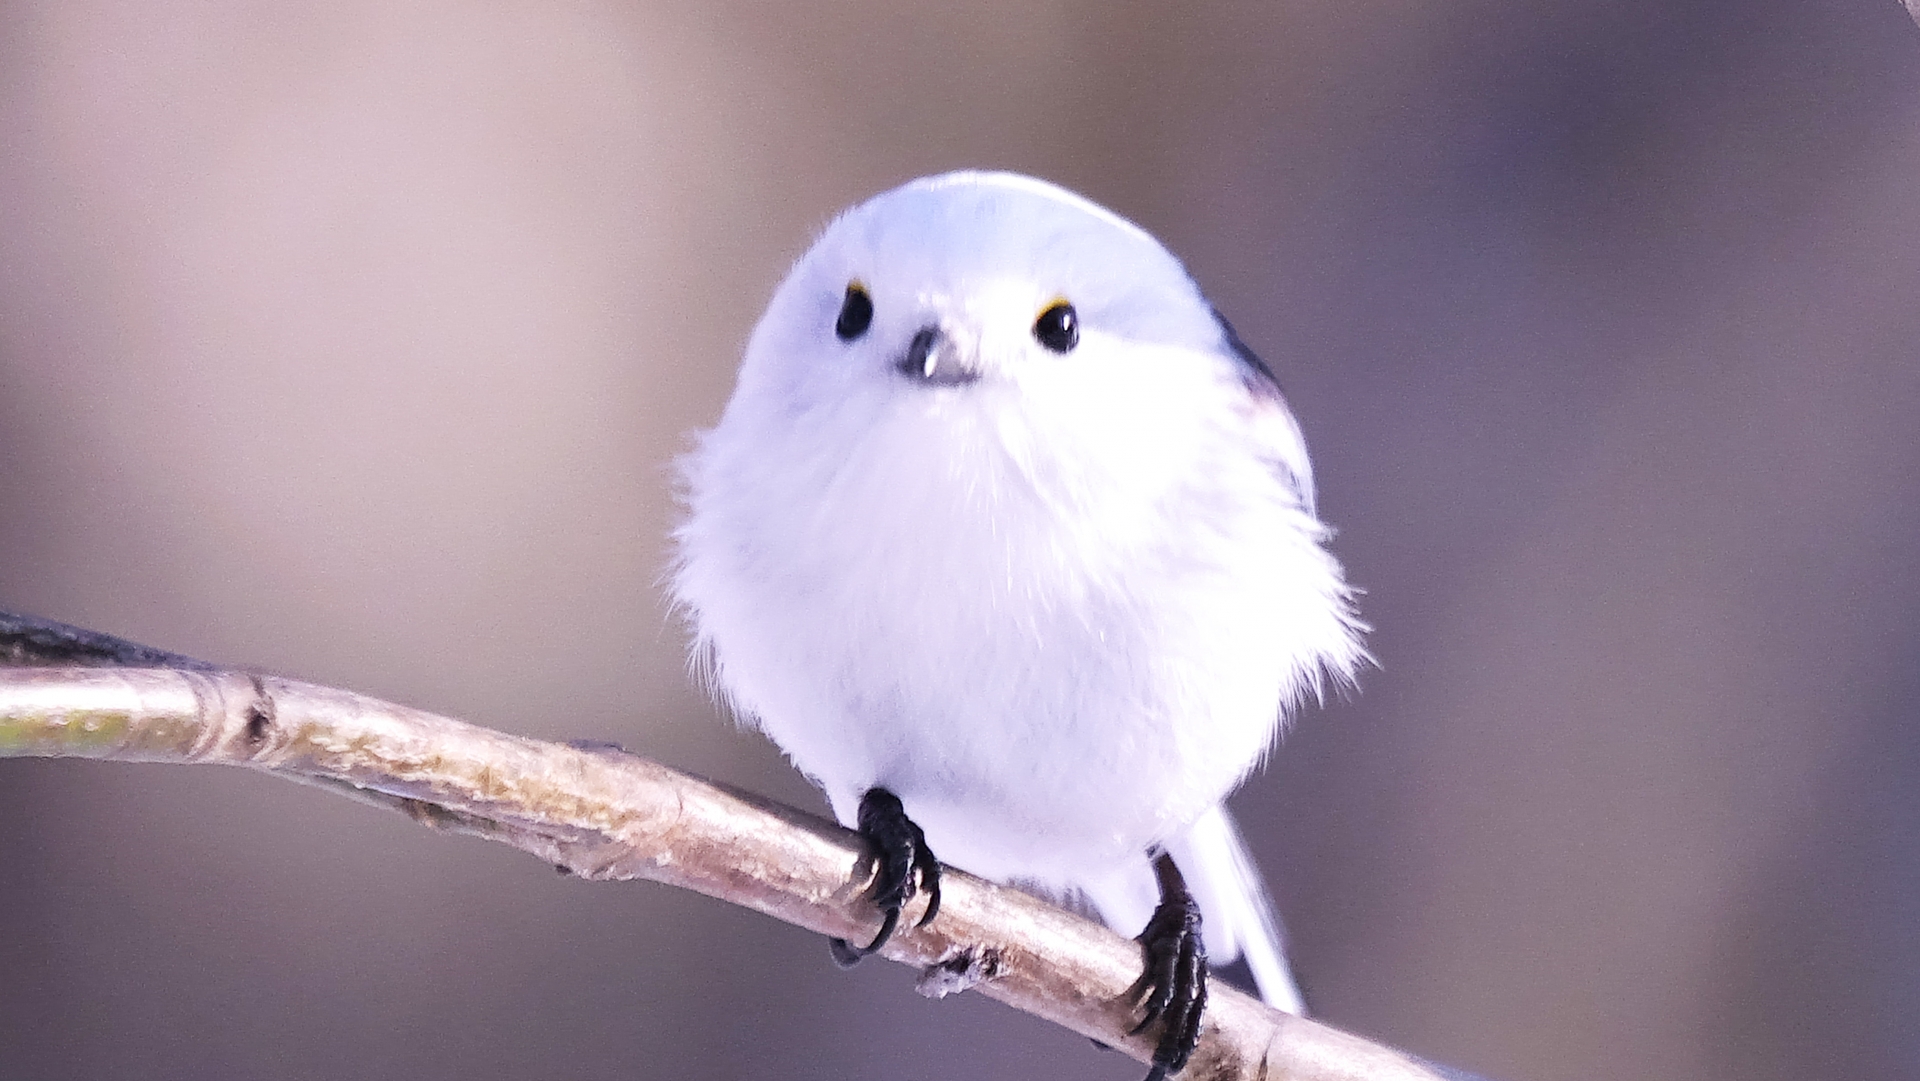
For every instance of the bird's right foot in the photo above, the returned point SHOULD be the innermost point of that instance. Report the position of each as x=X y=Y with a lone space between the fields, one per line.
x=905 y=867
x=1175 y=980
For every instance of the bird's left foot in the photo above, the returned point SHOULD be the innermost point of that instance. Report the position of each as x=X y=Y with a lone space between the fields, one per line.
x=1175 y=980
x=903 y=858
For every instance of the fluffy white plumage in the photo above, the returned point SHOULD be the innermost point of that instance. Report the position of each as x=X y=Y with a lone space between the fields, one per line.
x=1057 y=603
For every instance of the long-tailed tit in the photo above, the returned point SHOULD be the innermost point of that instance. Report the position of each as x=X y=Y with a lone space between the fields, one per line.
x=1009 y=542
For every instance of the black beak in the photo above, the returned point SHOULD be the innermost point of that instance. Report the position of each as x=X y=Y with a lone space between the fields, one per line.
x=931 y=358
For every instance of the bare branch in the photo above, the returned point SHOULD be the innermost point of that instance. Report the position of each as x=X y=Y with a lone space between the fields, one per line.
x=606 y=814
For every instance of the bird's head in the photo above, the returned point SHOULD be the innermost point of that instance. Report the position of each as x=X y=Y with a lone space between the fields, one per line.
x=972 y=278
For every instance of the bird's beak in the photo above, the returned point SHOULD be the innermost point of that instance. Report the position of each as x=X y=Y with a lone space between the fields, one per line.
x=933 y=357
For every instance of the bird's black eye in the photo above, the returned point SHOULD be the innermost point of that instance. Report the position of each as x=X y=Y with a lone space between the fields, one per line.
x=1058 y=328
x=856 y=313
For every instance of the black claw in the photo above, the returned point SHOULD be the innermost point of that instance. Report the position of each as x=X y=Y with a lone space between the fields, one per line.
x=1175 y=977
x=905 y=867
x=929 y=870
x=845 y=954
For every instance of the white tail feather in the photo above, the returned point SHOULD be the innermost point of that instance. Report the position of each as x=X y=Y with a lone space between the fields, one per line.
x=1236 y=915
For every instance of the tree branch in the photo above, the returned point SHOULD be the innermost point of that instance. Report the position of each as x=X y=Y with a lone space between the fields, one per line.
x=602 y=813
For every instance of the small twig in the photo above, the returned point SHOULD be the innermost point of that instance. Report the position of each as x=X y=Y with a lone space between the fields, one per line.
x=32 y=641
x=606 y=814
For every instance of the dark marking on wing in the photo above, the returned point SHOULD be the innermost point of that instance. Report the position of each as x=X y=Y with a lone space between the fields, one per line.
x=1265 y=388
x=1264 y=379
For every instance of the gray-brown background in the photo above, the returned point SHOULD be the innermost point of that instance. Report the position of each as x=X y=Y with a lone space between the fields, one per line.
x=352 y=339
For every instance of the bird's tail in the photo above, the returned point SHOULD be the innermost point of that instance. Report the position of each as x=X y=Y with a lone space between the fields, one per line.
x=1237 y=917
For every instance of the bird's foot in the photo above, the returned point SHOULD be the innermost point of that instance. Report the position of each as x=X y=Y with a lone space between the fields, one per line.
x=904 y=867
x=1175 y=980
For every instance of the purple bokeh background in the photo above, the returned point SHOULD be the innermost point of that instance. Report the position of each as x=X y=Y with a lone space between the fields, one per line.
x=352 y=340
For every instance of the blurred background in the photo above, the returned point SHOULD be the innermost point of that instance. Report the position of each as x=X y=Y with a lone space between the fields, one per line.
x=354 y=339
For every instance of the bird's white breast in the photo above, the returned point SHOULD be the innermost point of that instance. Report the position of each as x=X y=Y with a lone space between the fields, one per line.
x=1058 y=614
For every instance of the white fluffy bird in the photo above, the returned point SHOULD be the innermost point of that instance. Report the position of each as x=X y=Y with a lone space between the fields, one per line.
x=1010 y=544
